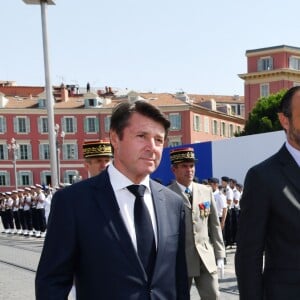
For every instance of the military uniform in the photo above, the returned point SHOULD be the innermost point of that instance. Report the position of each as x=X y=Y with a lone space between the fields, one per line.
x=203 y=238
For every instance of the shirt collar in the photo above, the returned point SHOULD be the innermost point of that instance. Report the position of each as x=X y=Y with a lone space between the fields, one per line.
x=294 y=152
x=119 y=181
x=183 y=188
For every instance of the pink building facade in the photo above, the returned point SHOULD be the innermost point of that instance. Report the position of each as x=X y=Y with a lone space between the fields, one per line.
x=86 y=117
x=269 y=70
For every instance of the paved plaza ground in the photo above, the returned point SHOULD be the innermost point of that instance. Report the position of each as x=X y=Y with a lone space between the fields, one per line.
x=19 y=258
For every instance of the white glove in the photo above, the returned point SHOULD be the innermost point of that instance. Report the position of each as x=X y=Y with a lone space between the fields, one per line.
x=220 y=265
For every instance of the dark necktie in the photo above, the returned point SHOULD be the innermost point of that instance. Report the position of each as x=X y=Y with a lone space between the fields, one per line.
x=189 y=194
x=143 y=228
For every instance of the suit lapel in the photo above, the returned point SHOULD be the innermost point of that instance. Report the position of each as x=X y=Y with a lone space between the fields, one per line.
x=108 y=204
x=159 y=202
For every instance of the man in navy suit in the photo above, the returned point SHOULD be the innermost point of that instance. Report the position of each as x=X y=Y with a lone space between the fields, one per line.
x=269 y=222
x=91 y=231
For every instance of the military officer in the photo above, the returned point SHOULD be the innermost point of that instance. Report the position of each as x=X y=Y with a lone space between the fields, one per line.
x=204 y=245
x=97 y=155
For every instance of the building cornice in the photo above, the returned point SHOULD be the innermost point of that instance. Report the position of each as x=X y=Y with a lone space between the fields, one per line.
x=272 y=50
x=271 y=74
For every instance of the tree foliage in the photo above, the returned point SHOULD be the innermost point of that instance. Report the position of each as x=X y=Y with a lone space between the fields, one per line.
x=263 y=117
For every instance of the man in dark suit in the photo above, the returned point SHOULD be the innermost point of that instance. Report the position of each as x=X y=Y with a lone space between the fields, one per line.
x=269 y=223
x=93 y=233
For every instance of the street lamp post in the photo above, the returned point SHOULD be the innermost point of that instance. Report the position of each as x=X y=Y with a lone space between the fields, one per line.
x=49 y=96
x=13 y=148
x=59 y=143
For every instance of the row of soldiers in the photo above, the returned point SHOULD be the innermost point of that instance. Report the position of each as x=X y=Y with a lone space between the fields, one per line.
x=227 y=193
x=25 y=211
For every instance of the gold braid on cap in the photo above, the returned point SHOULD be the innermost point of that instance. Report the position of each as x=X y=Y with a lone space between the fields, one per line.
x=182 y=156
x=97 y=150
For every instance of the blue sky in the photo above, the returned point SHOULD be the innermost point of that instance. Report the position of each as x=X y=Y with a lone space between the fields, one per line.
x=158 y=45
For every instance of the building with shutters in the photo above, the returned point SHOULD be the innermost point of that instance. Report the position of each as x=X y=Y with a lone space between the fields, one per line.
x=270 y=70
x=83 y=115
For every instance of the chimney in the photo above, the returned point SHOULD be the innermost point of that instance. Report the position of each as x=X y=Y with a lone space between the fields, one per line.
x=64 y=93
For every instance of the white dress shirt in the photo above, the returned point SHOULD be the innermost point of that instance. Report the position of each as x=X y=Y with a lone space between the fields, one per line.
x=294 y=152
x=221 y=203
x=183 y=188
x=126 y=200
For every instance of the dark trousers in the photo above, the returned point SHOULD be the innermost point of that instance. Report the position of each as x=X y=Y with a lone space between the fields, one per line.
x=9 y=219
x=41 y=219
x=17 y=219
x=234 y=226
x=28 y=219
x=34 y=219
x=22 y=219
x=3 y=219
x=231 y=224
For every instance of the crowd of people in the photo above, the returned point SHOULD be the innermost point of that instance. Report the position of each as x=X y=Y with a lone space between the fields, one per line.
x=25 y=211
x=227 y=193
x=108 y=251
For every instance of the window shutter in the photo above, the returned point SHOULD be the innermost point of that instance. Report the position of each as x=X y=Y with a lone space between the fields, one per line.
x=97 y=124
x=4 y=124
x=179 y=121
x=27 y=125
x=15 y=124
x=86 y=124
x=19 y=178
x=75 y=124
x=39 y=124
x=30 y=178
x=194 y=123
x=7 y=178
x=259 y=65
x=75 y=147
x=29 y=150
x=64 y=151
x=271 y=63
x=5 y=152
x=41 y=152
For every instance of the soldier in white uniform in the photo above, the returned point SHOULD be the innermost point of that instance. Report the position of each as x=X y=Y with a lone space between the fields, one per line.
x=220 y=199
x=236 y=208
x=40 y=208
x=9 y=213
x=229 y=198
x=2 y=211
x=48 y=195
x=21 y=211
x=15 y=210
x=33 y=196
x=28 y=212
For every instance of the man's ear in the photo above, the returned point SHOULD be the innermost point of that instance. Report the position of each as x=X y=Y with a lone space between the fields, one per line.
x=284 y=121
x=113 y=138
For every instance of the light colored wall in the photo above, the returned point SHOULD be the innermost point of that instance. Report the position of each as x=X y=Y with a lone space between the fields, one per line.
x=234 y=157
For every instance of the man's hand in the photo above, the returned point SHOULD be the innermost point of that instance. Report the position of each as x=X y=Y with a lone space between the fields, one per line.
x=220 y=265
